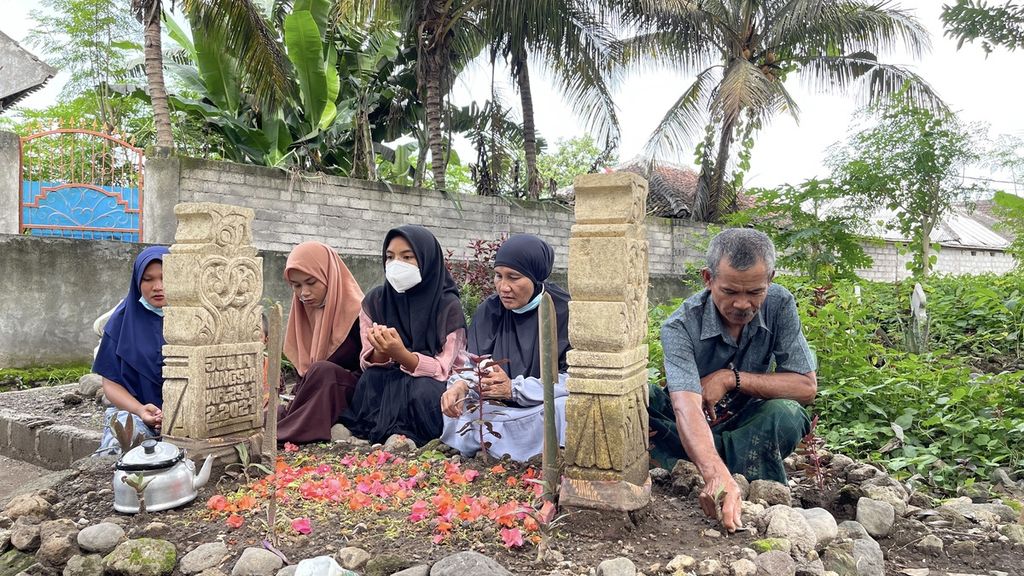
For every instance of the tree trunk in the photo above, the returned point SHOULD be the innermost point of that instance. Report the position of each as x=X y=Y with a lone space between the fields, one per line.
x=717 y=191
x=155 y=78
x=421 y=159
x=433 y=102
x=529 y=129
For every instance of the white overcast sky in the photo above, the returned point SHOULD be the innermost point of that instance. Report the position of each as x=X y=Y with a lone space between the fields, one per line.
x=980 y=88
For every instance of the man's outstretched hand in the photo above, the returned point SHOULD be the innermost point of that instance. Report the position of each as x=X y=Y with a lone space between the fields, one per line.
x=720 y=499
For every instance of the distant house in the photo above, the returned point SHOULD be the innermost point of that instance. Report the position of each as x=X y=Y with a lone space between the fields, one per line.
x=21 y=73
x=968 y=241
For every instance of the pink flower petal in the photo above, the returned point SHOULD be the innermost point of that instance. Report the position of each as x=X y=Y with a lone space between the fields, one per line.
x=301 y=525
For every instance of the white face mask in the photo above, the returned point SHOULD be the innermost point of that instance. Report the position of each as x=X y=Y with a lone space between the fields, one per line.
x=402 y=275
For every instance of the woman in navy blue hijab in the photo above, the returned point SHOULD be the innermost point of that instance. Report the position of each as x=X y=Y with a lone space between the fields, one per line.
x=130 y=357
x=505 y=327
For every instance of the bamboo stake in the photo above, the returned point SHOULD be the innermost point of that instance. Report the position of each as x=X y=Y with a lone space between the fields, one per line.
x=548 y=330
x=275 y=345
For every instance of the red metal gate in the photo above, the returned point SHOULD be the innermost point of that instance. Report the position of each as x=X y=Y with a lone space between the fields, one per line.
x=81 y=183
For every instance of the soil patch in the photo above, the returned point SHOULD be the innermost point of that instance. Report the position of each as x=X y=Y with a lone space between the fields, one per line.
x=671 y=525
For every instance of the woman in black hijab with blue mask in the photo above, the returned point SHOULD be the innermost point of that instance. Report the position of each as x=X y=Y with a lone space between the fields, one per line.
x=505 y=327
x=413 y=331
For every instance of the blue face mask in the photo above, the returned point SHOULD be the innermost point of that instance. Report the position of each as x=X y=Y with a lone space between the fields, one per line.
x=531 y=305
x=145 y=304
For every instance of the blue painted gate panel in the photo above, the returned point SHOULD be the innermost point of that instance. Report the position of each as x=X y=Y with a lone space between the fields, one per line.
x=81 y=211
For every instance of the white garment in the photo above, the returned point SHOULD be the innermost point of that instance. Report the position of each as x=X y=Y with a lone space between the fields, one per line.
x=521 y=427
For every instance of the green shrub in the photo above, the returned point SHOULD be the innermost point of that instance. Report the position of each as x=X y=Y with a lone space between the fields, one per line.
x=944 y=418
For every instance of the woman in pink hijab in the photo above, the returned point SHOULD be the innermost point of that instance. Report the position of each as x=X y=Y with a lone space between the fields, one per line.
x=322 y=342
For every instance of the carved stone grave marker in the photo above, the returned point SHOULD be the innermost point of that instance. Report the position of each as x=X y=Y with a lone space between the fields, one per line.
x=606 y=441
x=213 y=359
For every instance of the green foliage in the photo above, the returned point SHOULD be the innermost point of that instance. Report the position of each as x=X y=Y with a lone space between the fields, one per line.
x=910 y=161
x=741 y=53
x=93 y=40
x=655 y=354
x=1009 y=208
x=24 y=378
x=940 y=417
x=999 y=25
x=475 y=275
x=819 y=243
x=575 y=156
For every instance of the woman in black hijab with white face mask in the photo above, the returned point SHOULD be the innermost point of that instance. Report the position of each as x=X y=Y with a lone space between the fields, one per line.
x=505 y=327
x=413 y=331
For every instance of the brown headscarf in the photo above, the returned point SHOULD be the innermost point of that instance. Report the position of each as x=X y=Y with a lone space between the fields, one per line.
x=314 y=335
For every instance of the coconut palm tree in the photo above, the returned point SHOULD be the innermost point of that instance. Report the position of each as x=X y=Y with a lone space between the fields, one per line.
x=148 y=13
x=741 y=51
x=447 y=36
x=570 y=41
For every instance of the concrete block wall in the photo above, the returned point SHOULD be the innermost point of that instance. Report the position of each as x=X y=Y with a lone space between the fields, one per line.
x=353 y=215
x=43 y=442
x=889 y=265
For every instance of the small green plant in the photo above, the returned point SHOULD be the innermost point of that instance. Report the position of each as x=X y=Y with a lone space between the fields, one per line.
x=473 y=372
x=244 y=464
x=810 y=448
x=125 y=433
x=139 y=483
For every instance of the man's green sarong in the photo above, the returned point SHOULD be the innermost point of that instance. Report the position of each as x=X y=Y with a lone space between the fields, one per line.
x=753 y=442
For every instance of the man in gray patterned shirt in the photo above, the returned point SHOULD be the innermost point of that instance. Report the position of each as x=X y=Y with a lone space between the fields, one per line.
x=738 y=369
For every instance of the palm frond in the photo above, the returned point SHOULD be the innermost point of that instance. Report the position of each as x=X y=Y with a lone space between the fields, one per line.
x=684 y=121
x=743 y=86
x=878 y=81
x=248 y=37
x=851 y=26
x=664 y=49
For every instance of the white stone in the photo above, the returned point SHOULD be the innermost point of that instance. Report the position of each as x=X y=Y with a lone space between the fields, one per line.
x=876 y=517
x=616 y=567
x=257 y=562
x=204 y=556
x=100 y=538
x=822 y=523
x=320 y=566
x=743 y=567
x=352 y=558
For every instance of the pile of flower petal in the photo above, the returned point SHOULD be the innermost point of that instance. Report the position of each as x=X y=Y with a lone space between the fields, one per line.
x=389 y=495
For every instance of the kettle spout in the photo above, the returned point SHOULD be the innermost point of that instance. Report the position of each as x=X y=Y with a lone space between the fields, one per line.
x=204 y=474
